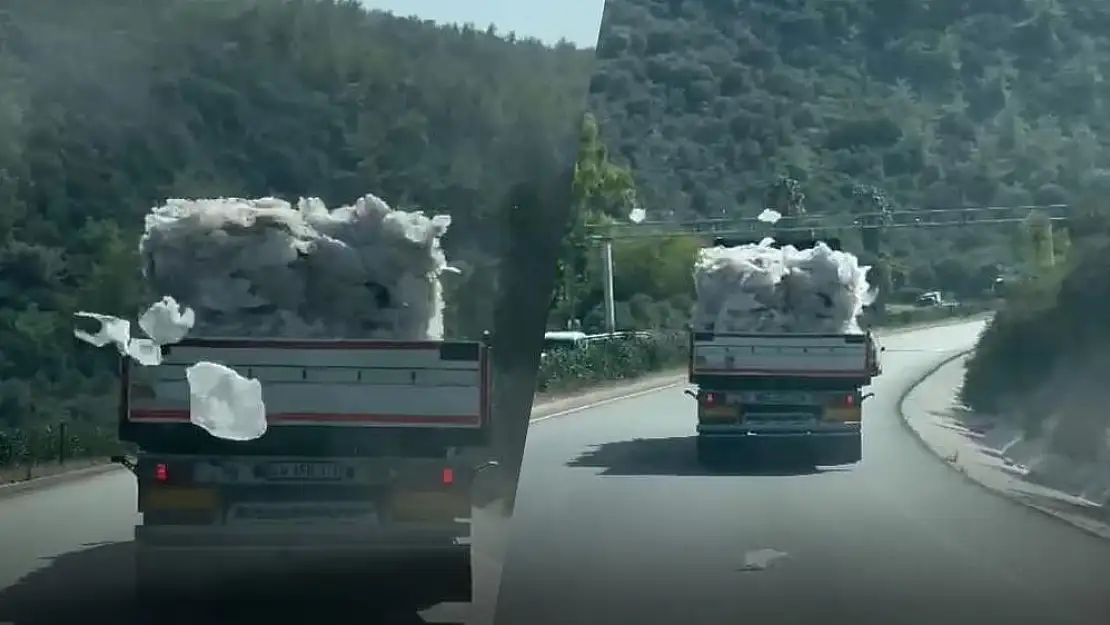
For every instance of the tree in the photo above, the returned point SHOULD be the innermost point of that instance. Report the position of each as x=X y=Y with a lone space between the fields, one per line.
x=873 y=216
x=237 y=98
x=600 y=193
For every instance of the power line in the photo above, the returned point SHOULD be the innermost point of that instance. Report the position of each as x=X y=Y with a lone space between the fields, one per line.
x=929 y=218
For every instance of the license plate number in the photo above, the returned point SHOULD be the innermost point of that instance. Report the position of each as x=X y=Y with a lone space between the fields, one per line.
x=303 y=512
x=310 y=471
x=779 y=397
x=179 y=499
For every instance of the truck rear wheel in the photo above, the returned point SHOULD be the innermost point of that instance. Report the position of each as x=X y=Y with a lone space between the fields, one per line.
x=156 y=588
x=714 y=453
x=430 y=580
x=839 y=451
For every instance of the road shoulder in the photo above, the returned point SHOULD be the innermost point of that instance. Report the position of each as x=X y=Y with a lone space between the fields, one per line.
x=974 y=448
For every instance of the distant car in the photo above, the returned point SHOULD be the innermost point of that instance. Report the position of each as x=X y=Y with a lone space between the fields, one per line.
x=934 y=299
x=574 y=339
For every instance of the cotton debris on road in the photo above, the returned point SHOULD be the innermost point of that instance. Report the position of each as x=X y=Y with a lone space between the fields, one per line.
x=264 y=267
x=222 y=402
x=766 y=289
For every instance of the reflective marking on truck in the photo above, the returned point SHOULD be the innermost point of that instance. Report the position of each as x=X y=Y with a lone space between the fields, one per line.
x=177 y=415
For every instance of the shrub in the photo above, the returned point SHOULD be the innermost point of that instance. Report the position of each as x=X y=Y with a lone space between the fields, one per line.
x=564 y=371
x=623 y=359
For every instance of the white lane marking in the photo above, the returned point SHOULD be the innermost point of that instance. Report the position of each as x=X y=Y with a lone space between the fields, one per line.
x=603 y=402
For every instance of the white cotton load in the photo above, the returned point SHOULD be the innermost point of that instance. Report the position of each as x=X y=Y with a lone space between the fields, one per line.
x=264 y=267
x=760 y=288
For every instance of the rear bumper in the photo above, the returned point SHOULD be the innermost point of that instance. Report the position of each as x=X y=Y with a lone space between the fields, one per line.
x=408 y=538
x=838 y=445
x=407 y=568
x=821 y=431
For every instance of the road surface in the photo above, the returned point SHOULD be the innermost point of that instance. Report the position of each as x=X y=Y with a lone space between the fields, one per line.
x=65 y=559
x=610 y=529
x=615 y=524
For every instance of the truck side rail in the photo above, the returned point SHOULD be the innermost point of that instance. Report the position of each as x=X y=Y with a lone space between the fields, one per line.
x=724 y=355
x=311 y=384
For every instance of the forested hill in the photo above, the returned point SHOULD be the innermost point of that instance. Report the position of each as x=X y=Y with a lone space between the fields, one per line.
x=940 y=103
x=110 y=106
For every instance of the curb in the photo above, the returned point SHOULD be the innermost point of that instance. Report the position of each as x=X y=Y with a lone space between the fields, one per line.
x=1048 y=512
x=15 y=488
x=542 y=410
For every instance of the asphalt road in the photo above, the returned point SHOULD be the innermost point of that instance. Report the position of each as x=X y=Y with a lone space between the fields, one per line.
x=616 y=524
x=66 y=559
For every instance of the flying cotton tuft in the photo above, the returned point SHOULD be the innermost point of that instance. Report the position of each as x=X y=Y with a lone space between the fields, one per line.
x=224 y=403
x=769 y=216
x=164 y=323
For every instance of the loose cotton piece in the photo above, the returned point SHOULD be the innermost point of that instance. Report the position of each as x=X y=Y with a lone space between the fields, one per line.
x=221 y=402
x=164 y=323
x=769 y=216
x=264 y=267
x=760 y=288
x=225 y=404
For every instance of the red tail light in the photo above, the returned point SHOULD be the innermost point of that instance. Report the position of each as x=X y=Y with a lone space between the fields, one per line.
x=709 y=400
x=448 y=477
x=843 y=401
x=161 y=473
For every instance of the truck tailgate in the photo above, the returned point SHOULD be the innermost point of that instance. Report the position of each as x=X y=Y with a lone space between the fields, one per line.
x=421 y=384
x=779 y=355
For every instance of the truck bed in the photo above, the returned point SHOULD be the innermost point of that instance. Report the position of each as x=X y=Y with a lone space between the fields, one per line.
x=337 y=393
x=721 y=357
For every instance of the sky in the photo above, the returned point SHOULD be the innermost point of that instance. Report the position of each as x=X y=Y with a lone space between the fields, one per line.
x=576 y=21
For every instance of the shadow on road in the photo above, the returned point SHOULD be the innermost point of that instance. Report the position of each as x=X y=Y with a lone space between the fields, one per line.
x=677 y=456
x=95 y=586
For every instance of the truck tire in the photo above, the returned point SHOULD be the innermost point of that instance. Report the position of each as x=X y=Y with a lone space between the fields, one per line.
x=155 y=589
x=430 y=580
x=713 y=454
x=839 y=452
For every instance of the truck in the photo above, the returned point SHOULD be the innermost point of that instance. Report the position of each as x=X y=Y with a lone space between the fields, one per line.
x=365 y=472
x=794 y=396
x=789 y=395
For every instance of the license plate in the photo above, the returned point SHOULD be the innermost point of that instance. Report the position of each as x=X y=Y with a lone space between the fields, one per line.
x=725 y=411
x=430 y=506
x=303 y=512
x=180 y=499
x=306 y=471
x=843 y=415
x=780 y=397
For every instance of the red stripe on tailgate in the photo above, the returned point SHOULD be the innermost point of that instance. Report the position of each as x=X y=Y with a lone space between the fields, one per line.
x=816 y=373
x=340 y=344
x=183 y=415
